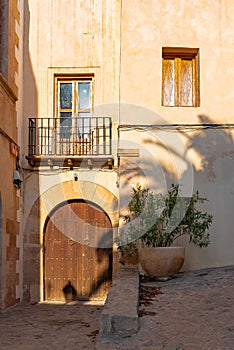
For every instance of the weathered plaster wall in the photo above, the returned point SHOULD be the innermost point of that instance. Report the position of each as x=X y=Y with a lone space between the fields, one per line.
x=65 y=37
x=170 y=156
x=71 y=37
x=204 y=24
x=200 y=158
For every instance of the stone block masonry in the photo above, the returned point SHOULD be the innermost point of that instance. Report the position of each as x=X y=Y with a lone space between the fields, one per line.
x=120 y=314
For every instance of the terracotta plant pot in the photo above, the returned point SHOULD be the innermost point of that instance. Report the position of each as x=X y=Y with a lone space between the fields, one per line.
x=130 y=257
x=161 y=261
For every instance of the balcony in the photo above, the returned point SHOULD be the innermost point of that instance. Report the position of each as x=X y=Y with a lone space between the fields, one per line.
x=70 y=141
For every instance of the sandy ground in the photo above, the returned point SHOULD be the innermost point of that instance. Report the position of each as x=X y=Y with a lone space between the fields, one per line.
x=50 y=326
x=194 y=311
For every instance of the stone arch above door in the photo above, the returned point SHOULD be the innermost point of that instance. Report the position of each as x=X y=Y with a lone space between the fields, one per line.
x=85 y=190
x=36 y=219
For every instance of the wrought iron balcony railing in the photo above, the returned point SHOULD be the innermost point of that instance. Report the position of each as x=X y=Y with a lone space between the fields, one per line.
x=70 y=136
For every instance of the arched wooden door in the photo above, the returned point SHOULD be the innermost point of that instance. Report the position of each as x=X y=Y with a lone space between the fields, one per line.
x=78 y=248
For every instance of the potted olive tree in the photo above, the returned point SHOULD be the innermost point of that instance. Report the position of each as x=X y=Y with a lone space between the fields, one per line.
x=155 y=221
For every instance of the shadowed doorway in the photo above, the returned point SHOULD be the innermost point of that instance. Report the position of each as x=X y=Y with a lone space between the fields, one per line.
x=78 y=250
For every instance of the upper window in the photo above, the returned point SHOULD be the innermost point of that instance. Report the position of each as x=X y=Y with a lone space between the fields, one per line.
x=74 y=105
x=180 y=77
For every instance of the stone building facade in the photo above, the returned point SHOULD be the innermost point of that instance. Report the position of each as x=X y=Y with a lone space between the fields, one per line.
x=108 y=99
x=9 y=194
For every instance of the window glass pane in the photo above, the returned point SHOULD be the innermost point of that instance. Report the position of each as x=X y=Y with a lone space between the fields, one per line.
x=84 y=123
x=168 y=88
x=65 y=125
x=65 y=95
x=84 y=95
x=186 y=82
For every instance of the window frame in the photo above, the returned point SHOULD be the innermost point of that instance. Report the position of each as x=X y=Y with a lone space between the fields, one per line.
x=74 y=79
x=178 y=54
x=63 y=136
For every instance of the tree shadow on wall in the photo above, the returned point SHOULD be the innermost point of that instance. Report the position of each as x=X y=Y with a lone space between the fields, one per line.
x=204 y=145
x=209 y=152
x=141 y=172
x=203 y=160
x=207 y=142
x=211 y=143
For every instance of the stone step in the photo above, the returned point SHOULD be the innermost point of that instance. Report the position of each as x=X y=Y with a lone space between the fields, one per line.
x=120 y=314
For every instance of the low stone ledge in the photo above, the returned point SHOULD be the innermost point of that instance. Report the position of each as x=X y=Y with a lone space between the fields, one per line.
x=120 y=314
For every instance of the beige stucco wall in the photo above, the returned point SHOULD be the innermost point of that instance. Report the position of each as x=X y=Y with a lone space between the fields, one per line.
x=124 y=51
x=204 y=24
x=199 y=158
x=46 y=188
x=65 y=37
x=69 y=37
